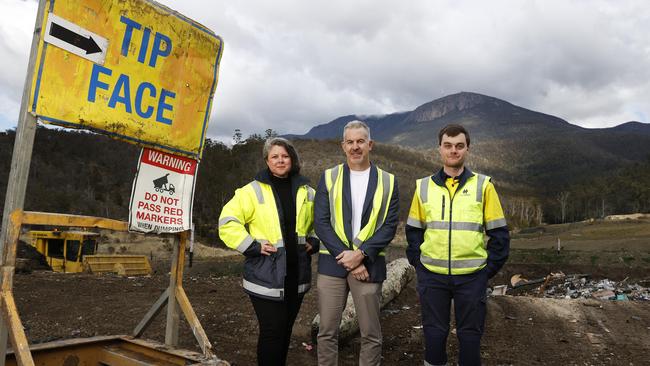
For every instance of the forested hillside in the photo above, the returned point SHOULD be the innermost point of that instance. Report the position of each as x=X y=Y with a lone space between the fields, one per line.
x=83 y=173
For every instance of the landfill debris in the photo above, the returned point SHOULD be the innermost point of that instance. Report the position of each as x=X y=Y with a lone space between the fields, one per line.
x=604 y=295
x=499 y=290
x=519 y=281
x=579 y=286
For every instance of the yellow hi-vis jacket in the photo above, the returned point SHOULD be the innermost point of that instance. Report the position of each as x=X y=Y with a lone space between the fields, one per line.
x=454 y=225
x=380 y=203
x=251 y=217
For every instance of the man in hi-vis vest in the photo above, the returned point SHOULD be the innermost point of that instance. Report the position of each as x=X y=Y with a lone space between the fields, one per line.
x=355 y=217
x=449 y=214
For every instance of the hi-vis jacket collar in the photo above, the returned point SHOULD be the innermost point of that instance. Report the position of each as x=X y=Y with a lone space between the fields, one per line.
x=264 y=176
x=440 y=177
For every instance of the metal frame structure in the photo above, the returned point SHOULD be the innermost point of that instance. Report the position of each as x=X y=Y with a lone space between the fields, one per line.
x=174 y=296
x=13 y=218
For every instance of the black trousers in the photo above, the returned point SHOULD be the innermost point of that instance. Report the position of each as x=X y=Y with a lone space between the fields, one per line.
x=468 y=292
x=276 y=320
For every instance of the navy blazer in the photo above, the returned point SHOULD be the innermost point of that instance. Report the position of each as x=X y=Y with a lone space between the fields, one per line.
x=375 y=263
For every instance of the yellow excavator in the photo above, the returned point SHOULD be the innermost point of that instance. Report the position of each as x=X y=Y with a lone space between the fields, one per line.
x=74 y=251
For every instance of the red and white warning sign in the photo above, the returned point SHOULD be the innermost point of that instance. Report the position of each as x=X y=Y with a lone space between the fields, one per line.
x=162 y=194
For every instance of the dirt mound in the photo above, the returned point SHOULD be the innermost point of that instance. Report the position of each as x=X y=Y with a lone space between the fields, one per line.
x=29 y=259
x=519 y=331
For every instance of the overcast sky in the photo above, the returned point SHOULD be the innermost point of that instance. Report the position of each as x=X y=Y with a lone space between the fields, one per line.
x=290 y=65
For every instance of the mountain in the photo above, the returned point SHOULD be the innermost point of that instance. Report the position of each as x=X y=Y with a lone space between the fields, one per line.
x=482 y=115
x=522 y=146
x=632 y=126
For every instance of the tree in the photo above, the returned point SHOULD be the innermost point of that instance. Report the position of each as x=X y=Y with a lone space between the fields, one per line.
x=563 y=200
x=237 y=137
x=269 y=133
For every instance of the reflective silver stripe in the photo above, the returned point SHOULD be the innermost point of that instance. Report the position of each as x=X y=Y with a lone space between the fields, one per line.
x=385 y=178
x=248 y=240
x=310 y=194
x=479 y=188
x=302 y=240
x=444 y=225
x=303 y=288
x=279 y=244
x=415 y=223
x=424 y=189
x=261 y=290
x=459 y=263
x=495 y=224
x=334 y=175
x=258 y=191
x=357 y=242
x=227 y=219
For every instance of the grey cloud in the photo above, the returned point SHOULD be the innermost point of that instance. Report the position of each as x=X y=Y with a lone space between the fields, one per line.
x=288 y=65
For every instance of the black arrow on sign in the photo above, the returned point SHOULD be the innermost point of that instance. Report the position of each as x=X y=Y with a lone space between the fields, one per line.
x=66 y=35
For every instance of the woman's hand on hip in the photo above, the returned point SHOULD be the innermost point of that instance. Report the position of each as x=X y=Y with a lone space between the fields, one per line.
x=267 y=248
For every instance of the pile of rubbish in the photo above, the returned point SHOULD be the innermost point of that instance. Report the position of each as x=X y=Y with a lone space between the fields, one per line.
x=575 y=286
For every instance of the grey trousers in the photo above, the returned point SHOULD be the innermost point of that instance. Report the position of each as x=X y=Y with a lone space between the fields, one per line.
x=332 y=298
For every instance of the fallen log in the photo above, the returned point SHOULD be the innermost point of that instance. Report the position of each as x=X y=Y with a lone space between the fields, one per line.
x=398 y=274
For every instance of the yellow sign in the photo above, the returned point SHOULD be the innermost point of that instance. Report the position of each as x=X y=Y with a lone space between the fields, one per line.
x=152 y=84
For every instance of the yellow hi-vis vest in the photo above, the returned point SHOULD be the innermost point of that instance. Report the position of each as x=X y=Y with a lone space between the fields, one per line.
x=380 y=203
x=453 y=238
x=252 y=215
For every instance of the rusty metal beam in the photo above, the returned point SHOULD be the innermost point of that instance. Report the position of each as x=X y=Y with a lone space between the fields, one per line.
x=9 y=311
x=16 y=331
x=151 y=314
x=194 y=322
x=173 y=319
x=56 y=219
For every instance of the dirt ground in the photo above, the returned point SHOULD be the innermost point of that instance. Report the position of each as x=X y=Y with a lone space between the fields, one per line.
x=520 y=330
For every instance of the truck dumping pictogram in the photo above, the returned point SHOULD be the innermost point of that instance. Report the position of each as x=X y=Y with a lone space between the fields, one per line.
x=162 y=185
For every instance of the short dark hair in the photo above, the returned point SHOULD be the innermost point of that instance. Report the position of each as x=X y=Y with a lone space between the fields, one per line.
x=453 y=130
x=293 y=154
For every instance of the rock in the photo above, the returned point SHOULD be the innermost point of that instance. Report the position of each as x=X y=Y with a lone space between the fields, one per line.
x=398 y=274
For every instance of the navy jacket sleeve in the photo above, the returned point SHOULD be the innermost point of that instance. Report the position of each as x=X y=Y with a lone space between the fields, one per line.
x=382 y=237
x=498 y=249
x=414 y=238
x=315 y=245
x=322 y=225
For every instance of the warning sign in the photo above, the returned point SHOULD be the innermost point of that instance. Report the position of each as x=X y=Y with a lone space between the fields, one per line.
x=163 y=192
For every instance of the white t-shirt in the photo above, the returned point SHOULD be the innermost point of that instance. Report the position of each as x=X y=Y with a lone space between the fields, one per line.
x=358 y=188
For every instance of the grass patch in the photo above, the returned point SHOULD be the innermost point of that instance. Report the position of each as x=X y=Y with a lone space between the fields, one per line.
x=569 y=257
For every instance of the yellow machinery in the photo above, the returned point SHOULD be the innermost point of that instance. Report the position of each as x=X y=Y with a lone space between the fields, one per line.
x=74 y=251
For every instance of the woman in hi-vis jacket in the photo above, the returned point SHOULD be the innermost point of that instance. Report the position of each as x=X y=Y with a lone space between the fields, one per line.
x=270 y=221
